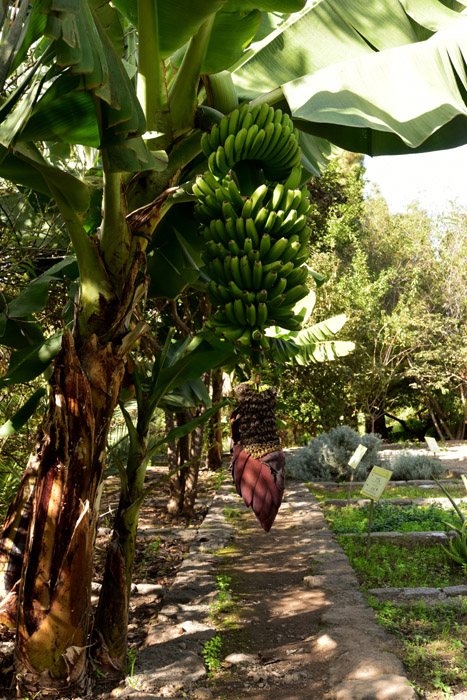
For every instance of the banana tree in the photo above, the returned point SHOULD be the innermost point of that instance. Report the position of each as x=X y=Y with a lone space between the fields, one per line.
x=177 y=364
x=68 y=73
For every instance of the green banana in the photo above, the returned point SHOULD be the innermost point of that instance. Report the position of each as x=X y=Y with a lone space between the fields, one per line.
x=264 y=245
x=274 y=304
x=235 y=291
x=228 y=212
x=239 y=311
x=251 y=232
x=234 y=118
x=251 y=314
x=233 y=334
x=235 y=270
x=234 y=248
x=297 y=276
x=252 y=131
x=214 y=137
x=261 y=314
x=295 y=294
x=262 y=295
x=278 y=289
x=245 y=338
x=229 y=312
x=276 y=251
x=236 y=197
x=247 y=246
x=239 y=143
x=292 y=250
x=248 y=297
x=223 y=129
x=269 y=279
x=221 y=161
x=257 y=274
x=229 y=150
x=227 y=263
x=253 y=255
x=245 y=271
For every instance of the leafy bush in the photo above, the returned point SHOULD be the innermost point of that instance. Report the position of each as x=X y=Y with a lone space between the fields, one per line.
x=405 y=466
x=326 y=457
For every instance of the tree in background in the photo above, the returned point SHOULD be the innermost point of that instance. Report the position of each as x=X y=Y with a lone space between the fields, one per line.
x=393 y=276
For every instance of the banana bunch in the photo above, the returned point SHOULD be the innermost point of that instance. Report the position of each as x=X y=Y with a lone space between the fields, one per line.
x=264 y=134
x=254 y=246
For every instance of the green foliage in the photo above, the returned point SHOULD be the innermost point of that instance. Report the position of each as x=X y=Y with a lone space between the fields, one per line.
x=430 y=641
x=400 y=564
x=406 y=466
x=212 y=654
x=326 y=457
x=387 y=518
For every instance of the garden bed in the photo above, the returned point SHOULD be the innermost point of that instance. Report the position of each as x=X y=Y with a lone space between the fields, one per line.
x=418 y=592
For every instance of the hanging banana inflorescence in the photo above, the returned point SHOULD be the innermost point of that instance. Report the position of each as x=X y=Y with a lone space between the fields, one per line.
x=254 y=227
x=255 y=241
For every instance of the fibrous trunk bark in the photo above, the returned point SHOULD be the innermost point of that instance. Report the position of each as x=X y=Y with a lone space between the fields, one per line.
x=54 y=595
x=110 y=630
x=192 y=471
x=177 y=480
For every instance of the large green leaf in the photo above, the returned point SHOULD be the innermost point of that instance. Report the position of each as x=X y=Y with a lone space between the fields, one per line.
x=30 y=362
x=232 y=32
x=174 y=255
x=34 y=297
x=323 y=34
x=422 y=105
x=22 y=416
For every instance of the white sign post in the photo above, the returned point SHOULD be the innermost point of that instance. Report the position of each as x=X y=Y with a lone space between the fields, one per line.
x=353 y=462
x=432 y=444
x=373 y=488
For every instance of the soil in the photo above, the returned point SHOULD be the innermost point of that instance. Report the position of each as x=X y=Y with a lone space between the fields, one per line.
x=277 y=621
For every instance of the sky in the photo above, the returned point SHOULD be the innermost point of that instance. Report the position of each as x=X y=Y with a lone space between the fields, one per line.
x=432 y=178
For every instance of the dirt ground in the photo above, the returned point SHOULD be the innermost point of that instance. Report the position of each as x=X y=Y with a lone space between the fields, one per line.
x=277 y=618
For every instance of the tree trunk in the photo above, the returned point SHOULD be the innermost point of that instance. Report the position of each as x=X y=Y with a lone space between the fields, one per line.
x=13 y=543
x=54 y=595
x=111 y=620
x=177 y=480
x=214 y=432
x=191 y=472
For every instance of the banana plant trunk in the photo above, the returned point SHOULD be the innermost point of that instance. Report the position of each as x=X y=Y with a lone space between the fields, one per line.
x=110 y=629
x=54 y=595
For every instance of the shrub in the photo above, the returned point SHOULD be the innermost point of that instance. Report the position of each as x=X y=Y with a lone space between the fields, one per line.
x=405 y=466
x=326 y=457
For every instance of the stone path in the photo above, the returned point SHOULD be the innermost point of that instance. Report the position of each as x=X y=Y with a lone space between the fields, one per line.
x=306 y=630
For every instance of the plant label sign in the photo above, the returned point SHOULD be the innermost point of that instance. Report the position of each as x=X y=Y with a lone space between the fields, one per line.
x=376 y=483
x=432 y=444
x=356 y=458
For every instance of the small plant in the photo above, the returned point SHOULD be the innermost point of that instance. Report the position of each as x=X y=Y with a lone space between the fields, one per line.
x=129 y=670
x=224 y=599
x=406 y=466
x=457 y=547
x=149 y=555
x=212 y=654
x=231 y=515
x=326 y=457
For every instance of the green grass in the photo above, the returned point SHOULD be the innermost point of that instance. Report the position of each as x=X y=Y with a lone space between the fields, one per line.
x=431 y=642
x=388 y=518
x=402 y=564
x=390 y=492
